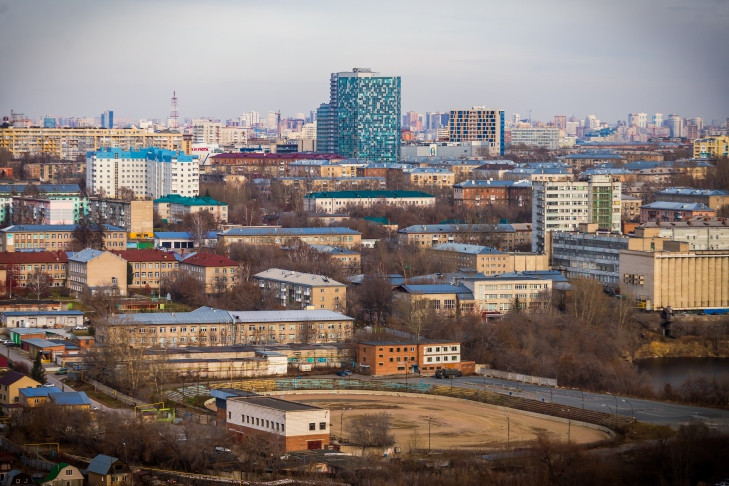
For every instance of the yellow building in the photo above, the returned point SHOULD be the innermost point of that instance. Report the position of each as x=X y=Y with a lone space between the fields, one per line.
x=487 y=260
x=711 y=147
x=10 y=384
x=215 y=272
x=303 y=290
x=268 y=235
x=53 y=237
x=97 y=270
x=69 y=143
x=681 y=279
x=505 y=237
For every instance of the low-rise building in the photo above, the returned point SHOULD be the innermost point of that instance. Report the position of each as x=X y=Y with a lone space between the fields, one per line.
x=10 y=385
x=179 y=241
x=41 y=319
x=698 y=233
x=479 y=193
x=106 y=470
x=711 y=147
x=348 y=258
x=487 y=260
x=53 y=237
x=448 y=299
x=302 y=290
x=97 y=270
x=42 y=210
x=714 y=198
x=337 y=201
x=505 y=237
x=499 y=294
x=63 y=474
x=173 y=208
x=149 y=267
x=215 y=272
x=674 y=211
x=262 y=235
x=214 y=327
x=404 y=357
x=630 y=207
x=136 y=217
x=24 y=267
x=288 y=426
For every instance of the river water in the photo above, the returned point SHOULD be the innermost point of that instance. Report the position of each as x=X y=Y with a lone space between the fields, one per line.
x=659 y=371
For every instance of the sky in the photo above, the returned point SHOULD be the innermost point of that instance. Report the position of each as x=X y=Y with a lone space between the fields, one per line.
x=228 y=57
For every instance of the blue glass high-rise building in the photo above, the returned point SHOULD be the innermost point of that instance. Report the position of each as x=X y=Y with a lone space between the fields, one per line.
x=363 y=119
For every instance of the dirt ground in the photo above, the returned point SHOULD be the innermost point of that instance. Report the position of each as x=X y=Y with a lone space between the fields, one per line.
x=454 y=424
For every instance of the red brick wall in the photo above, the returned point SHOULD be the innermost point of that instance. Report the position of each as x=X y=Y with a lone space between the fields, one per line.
x=381 y=353
x=279 y=442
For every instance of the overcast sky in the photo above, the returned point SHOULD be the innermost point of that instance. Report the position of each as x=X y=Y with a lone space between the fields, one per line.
x=224 y=58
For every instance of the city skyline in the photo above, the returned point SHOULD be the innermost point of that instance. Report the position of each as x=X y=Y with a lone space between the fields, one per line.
x=649 y=56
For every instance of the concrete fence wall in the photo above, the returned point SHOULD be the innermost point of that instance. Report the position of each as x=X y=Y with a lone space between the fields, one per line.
x=484 y=370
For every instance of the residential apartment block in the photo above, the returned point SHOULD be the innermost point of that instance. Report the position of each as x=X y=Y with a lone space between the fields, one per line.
x=53 y=237
x=486 y=260
x=541 y=137
x=337 y=201
x=674 y=211
x=711 y=147
x=713 y=198
x=302 y=290
x=173 y=208
x=505 y=237
x=134 y=216
x=97 y=270
x=21 y=267
x=149 y=172
x=268 y=235
x=149 y=267
x=214 y=327
x=698 y=233
x=50 y=192
x=479 y=124
x=215 y=272
x=69 y=143
x=479 y=193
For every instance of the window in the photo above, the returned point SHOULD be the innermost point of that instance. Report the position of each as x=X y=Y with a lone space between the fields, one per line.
x=312 y=426
x=322 y=425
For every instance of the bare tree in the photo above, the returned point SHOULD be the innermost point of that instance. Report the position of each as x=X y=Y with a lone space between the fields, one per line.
x=125 y=193
x=39 y=282
x=372 y=430
x=199 y=224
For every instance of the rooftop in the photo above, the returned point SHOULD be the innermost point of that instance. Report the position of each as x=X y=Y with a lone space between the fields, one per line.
x=298 y=278
x=13 y=257
x=275 y=231
x=145 y=255
x=463 y=248
x=690 y=191
x=367 y=195
x=29 y=228
x=206 y=259
x=87 y=254
x=677 y=206
x=275 y=403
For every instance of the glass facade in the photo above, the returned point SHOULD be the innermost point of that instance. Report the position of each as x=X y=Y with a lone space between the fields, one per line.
x=364 y=116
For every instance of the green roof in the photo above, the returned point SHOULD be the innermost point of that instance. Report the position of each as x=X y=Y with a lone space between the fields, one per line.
x=189 y=201
x=367 y=194
x=53 y=473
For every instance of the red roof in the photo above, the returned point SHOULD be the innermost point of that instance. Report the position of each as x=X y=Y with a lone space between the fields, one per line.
x=23 y=257
x=205 y=259
x=145 y=255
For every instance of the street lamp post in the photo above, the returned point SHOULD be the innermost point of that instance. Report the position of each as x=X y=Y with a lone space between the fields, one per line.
x=341 y=422
x=582 y=395
x=569 y=424
x=508 y=430
x=632 y=411
x=616 y=404
x=611 y=411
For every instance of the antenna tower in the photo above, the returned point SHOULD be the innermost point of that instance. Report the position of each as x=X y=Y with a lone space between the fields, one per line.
x=174 y=123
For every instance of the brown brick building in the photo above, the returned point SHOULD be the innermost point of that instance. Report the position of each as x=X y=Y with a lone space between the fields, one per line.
x=379 y=358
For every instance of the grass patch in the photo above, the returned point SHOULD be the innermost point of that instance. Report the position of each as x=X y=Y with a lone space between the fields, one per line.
x=643 y=431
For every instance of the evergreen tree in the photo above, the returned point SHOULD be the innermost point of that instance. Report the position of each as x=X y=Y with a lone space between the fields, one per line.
x=38 y=373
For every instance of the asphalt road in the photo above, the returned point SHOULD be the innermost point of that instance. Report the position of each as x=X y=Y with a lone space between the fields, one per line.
x=648 y=411
x=17 y=355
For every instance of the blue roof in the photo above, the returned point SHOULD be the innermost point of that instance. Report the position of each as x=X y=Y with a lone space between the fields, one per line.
x=40 y=343
x=457 y=228
x=70 y=398
x=677 y=206
x=148 y=153
x=273 y=231
x=39 y=391
x=43 y=313
x=101 y=464
x=19 y=228
x=690 y=191
x=367 y=194
x=182 y=235
x=435 y=289
x=47 y=188
x=87 y=254
x=333 y=250
x=202 y=315
x=489 y=183
x=464 y=248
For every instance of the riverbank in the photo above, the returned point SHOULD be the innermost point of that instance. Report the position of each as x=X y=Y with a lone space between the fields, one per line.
x=684 y=347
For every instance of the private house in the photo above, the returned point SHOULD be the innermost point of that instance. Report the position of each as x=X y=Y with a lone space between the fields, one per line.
x=215 y=272
x=106 y=470
x=10 y=386
x=16 y=477
x=380 y=358
x=63 y=474
x=97 y=270
x=289 y=426
x=302 y=290
x=33 y=397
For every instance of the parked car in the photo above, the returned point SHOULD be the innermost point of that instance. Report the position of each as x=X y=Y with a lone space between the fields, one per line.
x=62 y=371
x=344 y=373
x=48 y=385
x=81 y=328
